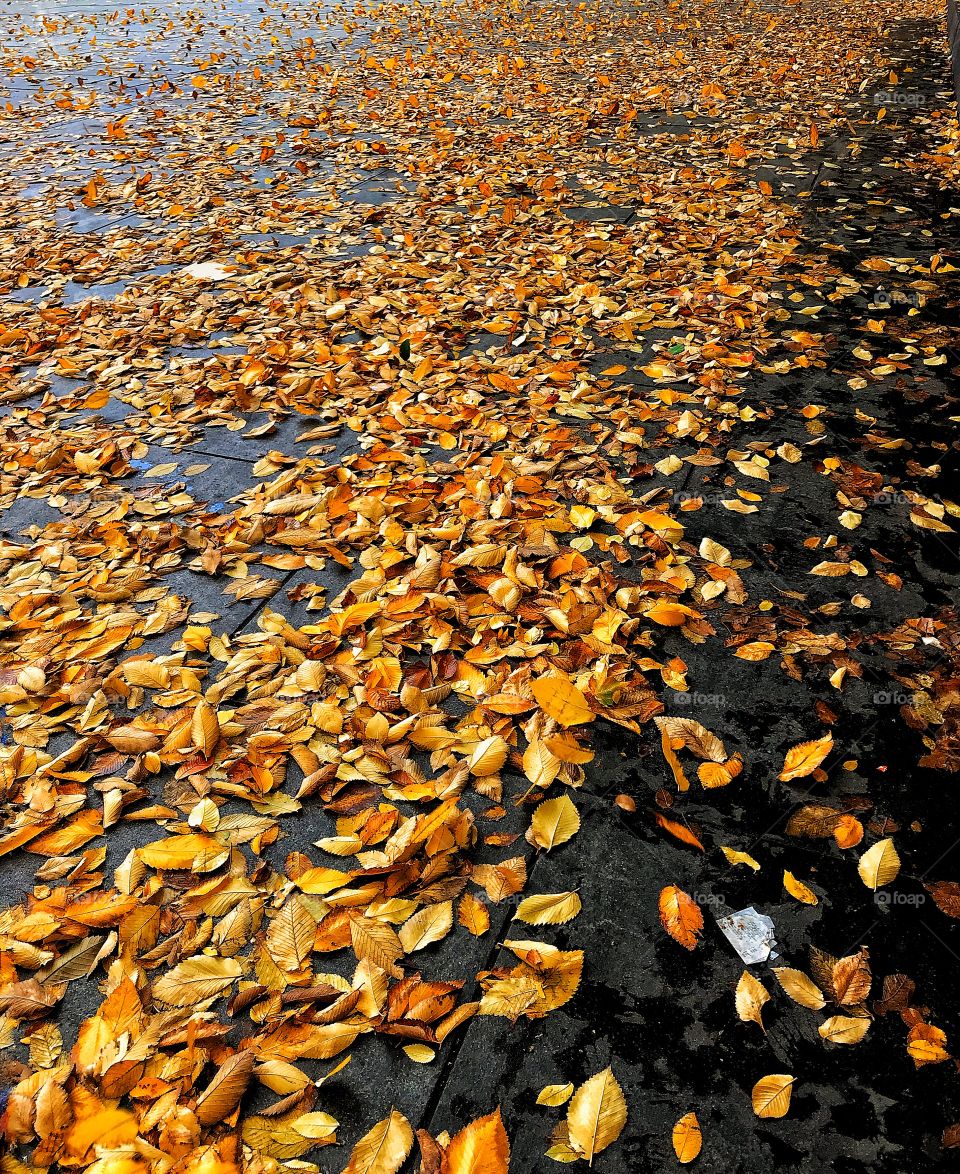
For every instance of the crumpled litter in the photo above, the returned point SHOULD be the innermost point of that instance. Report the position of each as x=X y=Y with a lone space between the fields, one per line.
x=753 y=935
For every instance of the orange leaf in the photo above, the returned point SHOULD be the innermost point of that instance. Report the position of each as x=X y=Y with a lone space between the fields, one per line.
x=680 y=831
x=683 y=783
x=680 y=917
x=687 y=1139
x=804 y=759
x=479 y=1148
x=848 y=831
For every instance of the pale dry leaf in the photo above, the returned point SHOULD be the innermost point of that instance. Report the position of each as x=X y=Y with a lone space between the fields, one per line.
x=596 y=1114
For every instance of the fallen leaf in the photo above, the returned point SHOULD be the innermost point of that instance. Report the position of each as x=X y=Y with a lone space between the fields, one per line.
x=800 y=987
x=555 y=1094
x=680 y=916
x=548 y=909
x=596 y=1115
x=804 y=759
x=796 y=888
x=555 y=821
x=879 y=865
x=560 y=699
x=841 y=1029
x=479 y=1148
x=384 y=1149
x=687 y=1138
x=750 y=997
x=771 y=1095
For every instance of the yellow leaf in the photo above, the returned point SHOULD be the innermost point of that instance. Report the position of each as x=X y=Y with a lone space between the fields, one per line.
x=384 y=1149
x=291 y=935
x=554 y=822
x=420 y=1053
x=503 y=879
x=696 y=738
x=205 y=816
x=659 y=371
x=676 y=767
x=427 y=926
x=560 y=1148
x=736 y=857
x=848 y=831
x=804 y=759
x=110 y=1129
x=560 y=699
x=879 y=865
x=796 y=888
x=567 y=748
x=195 y=980
x=687 y=1138
x=488 y=756
x=376 y=942
x=205 y=729
x=669 y=615
x=799 y=987
x=771 y=1095
x=925 y=1044
x=555 y=1094
x=223 y=1093
x=195 y=851
x=755 y=651
x=540 y=764
x=750 y=997
x=319 y=881
x=315 y=1126
x=548 y=909
x=281 y=1077
x=596 y=1114
x=843 y=1029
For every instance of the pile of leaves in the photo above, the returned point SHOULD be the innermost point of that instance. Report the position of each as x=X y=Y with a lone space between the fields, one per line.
x=478 y=408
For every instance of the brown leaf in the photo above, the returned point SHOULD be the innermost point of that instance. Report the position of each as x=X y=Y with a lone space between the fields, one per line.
x=223 y=1094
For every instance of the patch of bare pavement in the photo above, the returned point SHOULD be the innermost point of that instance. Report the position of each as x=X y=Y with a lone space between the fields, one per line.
x=478 y=561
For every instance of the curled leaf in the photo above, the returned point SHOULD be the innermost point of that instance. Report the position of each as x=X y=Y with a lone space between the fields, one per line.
x=796 y=888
